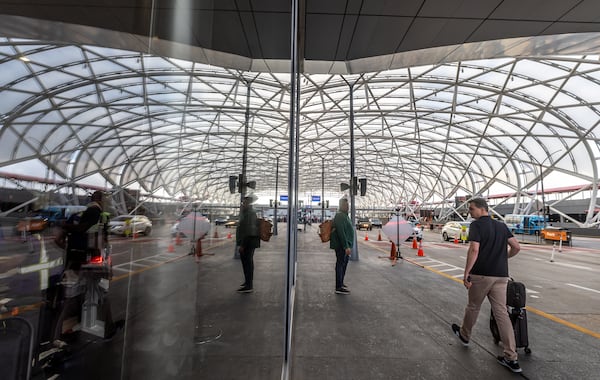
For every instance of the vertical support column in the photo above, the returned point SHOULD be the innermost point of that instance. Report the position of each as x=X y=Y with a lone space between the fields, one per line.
x=243 y=179
x=297 y=42
x=354 y=255
x=543 y=199
x=322 y=189
x=276 y=194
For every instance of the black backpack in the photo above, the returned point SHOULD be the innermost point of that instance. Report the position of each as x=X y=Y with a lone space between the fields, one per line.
x=515 y=294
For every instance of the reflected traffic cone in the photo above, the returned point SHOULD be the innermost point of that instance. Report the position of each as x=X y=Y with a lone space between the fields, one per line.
x=171 y=248
x=198 y=249
x=367 y=236
x=178 y=239
x=420 y=251
x=379 y=236
x=414 y=245
x=393 y=252
x=216 y=234
x=229 y=235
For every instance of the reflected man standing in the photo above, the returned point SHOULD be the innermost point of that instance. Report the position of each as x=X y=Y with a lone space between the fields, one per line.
x=247 y=239
x=342 y=240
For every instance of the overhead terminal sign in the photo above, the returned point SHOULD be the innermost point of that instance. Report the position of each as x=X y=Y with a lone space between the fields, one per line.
x=283 y=198
x=316 y=198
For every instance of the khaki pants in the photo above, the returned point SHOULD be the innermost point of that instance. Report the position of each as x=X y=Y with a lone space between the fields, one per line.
x=494 y=288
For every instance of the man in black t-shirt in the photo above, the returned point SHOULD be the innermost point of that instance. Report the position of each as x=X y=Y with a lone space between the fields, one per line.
x=83 y=235
x=486 y=275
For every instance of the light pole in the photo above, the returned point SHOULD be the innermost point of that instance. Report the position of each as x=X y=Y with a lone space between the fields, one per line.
x=542 y=183
x=398 y=254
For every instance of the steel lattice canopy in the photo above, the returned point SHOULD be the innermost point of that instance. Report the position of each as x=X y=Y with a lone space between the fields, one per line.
x=465 y=117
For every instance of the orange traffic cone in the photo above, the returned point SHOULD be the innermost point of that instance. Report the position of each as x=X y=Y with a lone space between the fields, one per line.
x=229 y=235
x=199 y=248
x=420 y=251
x=177 y=239
x=414 y=245
x=393 y=252
x=379 y=236
x=367 y=236
x=455 y=241
x=171 y=248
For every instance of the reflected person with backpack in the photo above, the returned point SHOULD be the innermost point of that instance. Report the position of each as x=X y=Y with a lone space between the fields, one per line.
x=247 y=239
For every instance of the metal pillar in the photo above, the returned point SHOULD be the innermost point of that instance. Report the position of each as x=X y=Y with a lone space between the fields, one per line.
x=296 y=44
x=276 y=201
x=322 y=190
x=244 y=180
x=354 y=255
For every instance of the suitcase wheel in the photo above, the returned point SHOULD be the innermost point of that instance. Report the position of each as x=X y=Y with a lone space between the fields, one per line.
x=527 y=350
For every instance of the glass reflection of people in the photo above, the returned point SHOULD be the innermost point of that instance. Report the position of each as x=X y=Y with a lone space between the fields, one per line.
x=247 y=239
x=83 y=234
x=198 y=249
x=342 y=240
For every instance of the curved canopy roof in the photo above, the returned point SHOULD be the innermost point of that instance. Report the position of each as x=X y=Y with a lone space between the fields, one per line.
x=477 y=118
x=172 y=127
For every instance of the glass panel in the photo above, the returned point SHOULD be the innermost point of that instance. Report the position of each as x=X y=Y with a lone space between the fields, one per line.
x=165 y=135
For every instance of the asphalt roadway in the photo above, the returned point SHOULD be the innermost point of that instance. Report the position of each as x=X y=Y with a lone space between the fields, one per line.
x=185 y=320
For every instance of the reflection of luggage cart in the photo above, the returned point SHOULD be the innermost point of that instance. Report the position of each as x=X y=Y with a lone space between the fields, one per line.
x=95 y=312
x=82 y=294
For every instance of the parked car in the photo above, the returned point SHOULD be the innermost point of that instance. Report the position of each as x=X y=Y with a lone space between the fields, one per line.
x=221 y=221
x=364 y=223
x=231 y=224
x=175 y=230
x=136 y=224
x=451 y=230
x=57 y=215
x=31 y=224
x=416 y=233
x=376 y=223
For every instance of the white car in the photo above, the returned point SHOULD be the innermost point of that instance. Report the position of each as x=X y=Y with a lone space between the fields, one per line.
x=417 y=233
x=451 y=230
x=122 y=224
x=175 y=230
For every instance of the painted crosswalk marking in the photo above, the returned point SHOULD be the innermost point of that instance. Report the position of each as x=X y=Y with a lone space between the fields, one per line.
x=451 y=269
x=43 y=266
x=584 y=288
x=144 y=262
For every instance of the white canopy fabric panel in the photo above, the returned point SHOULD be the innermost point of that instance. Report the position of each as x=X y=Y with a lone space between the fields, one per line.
x=422 y=133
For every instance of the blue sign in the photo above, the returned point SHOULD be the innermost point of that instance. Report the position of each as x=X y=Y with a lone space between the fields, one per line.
x=316 y=198
x=283 y=198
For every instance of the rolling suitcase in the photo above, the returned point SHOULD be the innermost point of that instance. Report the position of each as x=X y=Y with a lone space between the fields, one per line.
x=515 y=304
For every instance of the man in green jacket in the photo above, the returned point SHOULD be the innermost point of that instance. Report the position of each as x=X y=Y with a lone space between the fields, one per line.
x=342 y=240
x=248 y=239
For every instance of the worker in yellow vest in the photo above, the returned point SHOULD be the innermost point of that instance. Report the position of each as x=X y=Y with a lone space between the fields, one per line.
x=463 y=234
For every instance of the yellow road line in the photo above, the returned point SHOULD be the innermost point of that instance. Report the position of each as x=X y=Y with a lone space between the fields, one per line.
x=563 y=322
x=528 y=308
